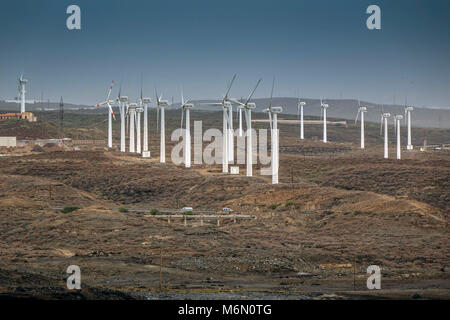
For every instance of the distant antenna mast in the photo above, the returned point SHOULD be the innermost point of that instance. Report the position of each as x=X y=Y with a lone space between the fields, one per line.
x=61 y=118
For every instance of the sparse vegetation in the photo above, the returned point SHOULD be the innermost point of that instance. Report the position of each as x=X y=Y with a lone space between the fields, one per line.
x=69 y=209
x=154 y=211
x=123 y=210
x=188 y=213
x=288 y=204
x=273 y=206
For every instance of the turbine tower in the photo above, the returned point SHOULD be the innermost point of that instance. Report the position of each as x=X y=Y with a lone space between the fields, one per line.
x=123 y=101
x=240 y=117
x=21 y=98
x=161 y=104
x=248 y=107
x=362 y=110
x=273 y=120
x=408 y=119
x=111 y=115
x=384 y=120
x=132 y=116
x=185 y=108
x=139 y=111
x=300 y=106
x=230 y=134
x=145 y=151
x=225 y=104
x=324 y=107
x=398 y=118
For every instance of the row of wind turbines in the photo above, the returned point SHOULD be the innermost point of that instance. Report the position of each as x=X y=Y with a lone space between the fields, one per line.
x=130 y=116
x=361 y=110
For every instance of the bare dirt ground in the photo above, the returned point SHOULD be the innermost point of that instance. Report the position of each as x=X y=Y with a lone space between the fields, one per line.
x=336 y=211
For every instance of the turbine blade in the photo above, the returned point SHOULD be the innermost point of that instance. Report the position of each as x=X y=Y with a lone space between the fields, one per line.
x=357 y=114
x=110 y=89
x=251 y=94
x=182 y=118
x=229 y=87
x=271 y=93
x=182 y=97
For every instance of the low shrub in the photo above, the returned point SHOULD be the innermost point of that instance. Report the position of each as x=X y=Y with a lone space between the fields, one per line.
x=69 y=209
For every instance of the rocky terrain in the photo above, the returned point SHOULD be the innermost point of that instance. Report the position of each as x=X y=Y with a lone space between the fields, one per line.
x=336 y=211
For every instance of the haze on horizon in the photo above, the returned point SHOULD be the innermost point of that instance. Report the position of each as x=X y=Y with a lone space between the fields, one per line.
x=320 y=48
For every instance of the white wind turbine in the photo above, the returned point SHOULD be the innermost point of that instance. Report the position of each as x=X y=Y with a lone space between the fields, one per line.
x=384 y=123
x=145 y=102
x=362 y=110
x=21 y=99
x=275 y=143
x=161 y=104
x=408 y=111
x=248 y=107
x=398 y=118
x=226 y=105
x=123 y=102
x=111 y=115
x=324 y=107
x=132 y=118
x=185 y=108
x=300 y=105
x=139 y=111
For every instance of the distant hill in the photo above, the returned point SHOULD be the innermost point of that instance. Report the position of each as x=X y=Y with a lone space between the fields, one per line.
x=339 y=108
x=347 y=109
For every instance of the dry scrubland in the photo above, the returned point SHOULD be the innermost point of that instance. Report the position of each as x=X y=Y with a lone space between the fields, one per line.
x=336 y=211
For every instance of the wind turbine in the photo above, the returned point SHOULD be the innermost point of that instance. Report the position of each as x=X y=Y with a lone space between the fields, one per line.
x=362 y=110
x=273 y=120
x=324 y=107
x=185 y=108
x=398 y=118
x=132 y=117
x=111 y=115
x=123 y=101
x=384 y=119
x=21 y=99
x=145 y=102
x=300 y=105
x=225 y=104
x=161 y=104
x=408 y=119
x=248 y=107
x=139 y=111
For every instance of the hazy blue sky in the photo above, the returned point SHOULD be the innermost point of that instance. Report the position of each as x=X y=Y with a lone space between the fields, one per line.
x=322 y=48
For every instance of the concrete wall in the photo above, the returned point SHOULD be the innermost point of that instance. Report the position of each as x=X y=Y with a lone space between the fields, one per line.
x=8 y=142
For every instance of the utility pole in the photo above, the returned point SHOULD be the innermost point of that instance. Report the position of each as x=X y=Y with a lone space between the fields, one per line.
x=160 y=270
x=292 y=182
x=61 y=119
x=354 y=274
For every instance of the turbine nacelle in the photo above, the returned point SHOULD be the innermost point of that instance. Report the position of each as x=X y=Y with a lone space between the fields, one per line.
x=146 y=100
x=163 y=103
x=409 y=109
x=398 y=117
x=362 y=109
x=227 y=104
x=123 y=99
x=251 y=105
x=386 y=115
x=188 y=106
x=301 y=103
x=277 y=109
x=324 y=105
